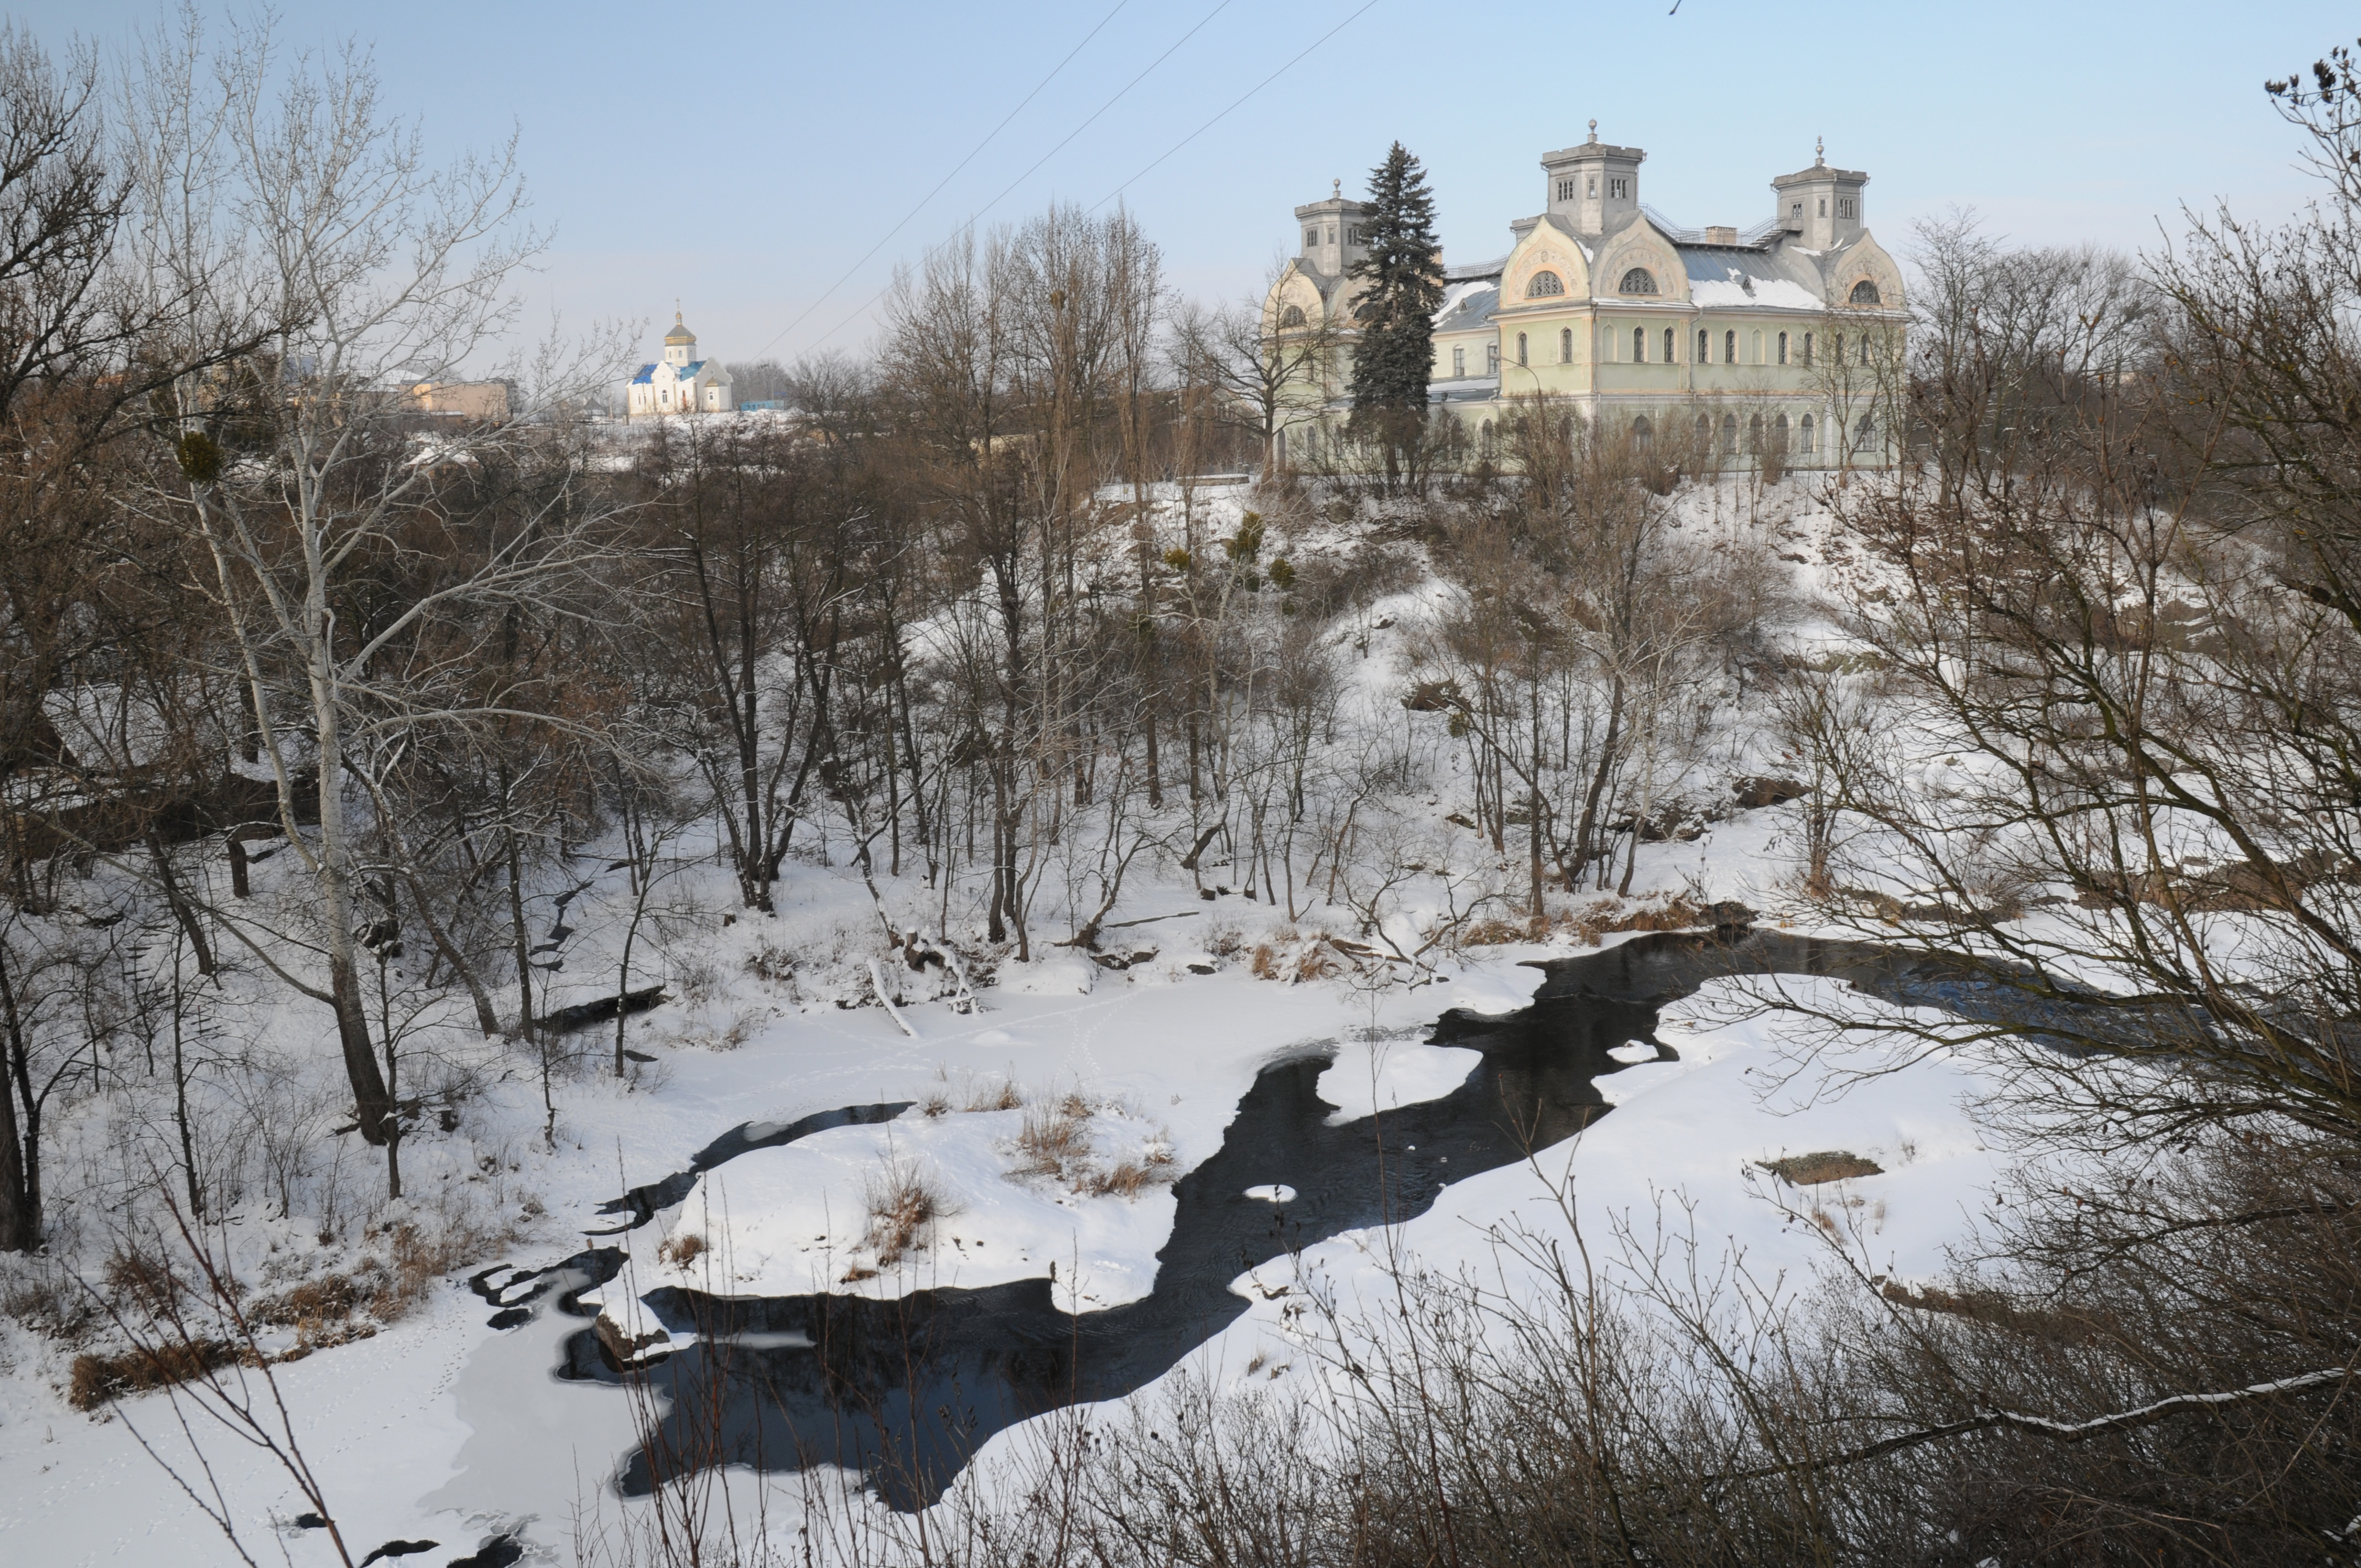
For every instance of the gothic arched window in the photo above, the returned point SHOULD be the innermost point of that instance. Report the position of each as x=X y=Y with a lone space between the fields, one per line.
x=1729 y=432
x=1730 y=348
x=1864 y=348
x=1840 y=348
x=1865 y=293
x=1779 y=433
x=1805 y=447
x=1638 y=280
x=1755 y=433
x=1783 y=348
x=1565 y=346
x=1521 y=348
x=1290 y=317
x=1544 y=285
x=1807 y=351
x=1484 y=438
x=1705 y=347
x=1671 y=351
x=1864 y=434
x=1638 y=346
x=1705 y=432
x=1644 y=434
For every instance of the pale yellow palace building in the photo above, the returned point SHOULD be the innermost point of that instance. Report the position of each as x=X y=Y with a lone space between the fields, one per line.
x=1782 y=337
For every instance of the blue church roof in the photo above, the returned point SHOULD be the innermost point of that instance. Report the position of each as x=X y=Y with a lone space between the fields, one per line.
x=646 y=375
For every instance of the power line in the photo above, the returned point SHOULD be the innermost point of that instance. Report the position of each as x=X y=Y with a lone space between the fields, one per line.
x=1241 y=98
x=1070 y=136
x=945 y=179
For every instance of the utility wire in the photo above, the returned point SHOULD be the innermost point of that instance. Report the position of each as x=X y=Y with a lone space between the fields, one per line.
x=1078 y=130
x=1241 y=98
x=972 y=154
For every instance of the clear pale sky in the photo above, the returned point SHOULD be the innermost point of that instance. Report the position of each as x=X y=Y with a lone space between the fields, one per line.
x=743 y=157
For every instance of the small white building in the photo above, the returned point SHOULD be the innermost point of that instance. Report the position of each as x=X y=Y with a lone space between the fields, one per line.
x=680 y=382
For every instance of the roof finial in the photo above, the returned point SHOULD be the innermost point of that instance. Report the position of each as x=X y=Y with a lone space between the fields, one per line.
x=1594 y=130
x=1819 y=152
x=1337 y=190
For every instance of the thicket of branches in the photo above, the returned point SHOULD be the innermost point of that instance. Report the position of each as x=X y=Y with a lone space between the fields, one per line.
x=2087 y=742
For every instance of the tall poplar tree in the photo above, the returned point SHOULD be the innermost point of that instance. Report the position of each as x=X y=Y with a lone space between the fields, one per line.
x=1404 y=271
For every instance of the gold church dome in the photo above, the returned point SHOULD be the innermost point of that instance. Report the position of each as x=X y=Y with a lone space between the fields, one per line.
x=679 y=334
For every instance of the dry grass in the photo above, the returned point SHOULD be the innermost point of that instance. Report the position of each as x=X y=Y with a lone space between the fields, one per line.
x=1005 y=1096
x=682 y=1251
x=1828 y=1164
x=98 y=1378
x=1054 y=1138
x=902 y=1209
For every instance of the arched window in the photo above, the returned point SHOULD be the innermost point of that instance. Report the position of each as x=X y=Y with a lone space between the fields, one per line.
x=1638 y=280
x=1864 y=348
x=1644 y=434
x=1729 y=432
x=1544 y=286
x=1278 y=449
x=1840 y=348
x=1705 y=432
x=1521 y=348
x=1807 y=351
x=1565 y=346
x=1804 y=445
x=1779 y=433
x=1865 y=293
x=1705 y=347
x=1783 y=348
x=1290 y=317
x=1754 y=434
x=1864 y=434
x=1484 y=438
x=1672 y=349
x=1638 y=346
x=1730 y=348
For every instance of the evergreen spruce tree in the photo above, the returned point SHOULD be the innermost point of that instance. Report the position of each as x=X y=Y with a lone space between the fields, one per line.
x=1404 y=271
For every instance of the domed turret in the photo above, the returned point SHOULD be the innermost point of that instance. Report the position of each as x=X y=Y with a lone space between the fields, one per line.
x=680 y=344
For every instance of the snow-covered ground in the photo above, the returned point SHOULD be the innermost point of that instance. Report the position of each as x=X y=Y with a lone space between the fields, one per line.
x=443 y=1428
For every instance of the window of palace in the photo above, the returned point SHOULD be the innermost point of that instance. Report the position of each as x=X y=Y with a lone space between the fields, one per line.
x=1705 y=347
x=1807 y=351
x=1491 y=359
x=1544 y=285
x=1290 y=317
x=1844 y=206
x=1783 y=348
x=1521 y=348
x=1779 y=433
x=1644 y=434
x=1310 y=238
x=1565 y=346
x=1671 y=351
x=1638 y=346
x=1459 y=360
x=1619 y=189
x=1730 y=348
x=1729 y=432
x=1638 y=280
x=1865 y=293
x=1804 y=445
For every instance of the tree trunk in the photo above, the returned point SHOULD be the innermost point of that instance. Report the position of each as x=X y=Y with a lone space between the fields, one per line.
x=20 y=1194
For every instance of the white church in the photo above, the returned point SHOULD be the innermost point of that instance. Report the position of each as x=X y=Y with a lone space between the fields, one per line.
x=680 y=382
